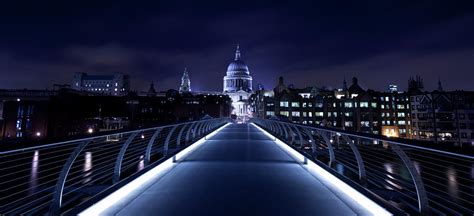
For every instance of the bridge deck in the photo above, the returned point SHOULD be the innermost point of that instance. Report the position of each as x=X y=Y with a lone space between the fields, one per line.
x=238 y=171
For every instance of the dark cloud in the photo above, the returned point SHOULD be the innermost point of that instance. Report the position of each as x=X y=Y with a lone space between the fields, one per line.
x=309 y=42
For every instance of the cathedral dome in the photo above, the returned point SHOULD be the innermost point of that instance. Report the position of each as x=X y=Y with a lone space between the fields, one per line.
x=238 y=66
x=238 y=77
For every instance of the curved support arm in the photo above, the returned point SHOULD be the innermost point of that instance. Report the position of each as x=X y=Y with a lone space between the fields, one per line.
x=118 y=162
x=186 y=142
x=178 y=139
x=332 y=158
x=300 y=137
x=314 y=147
x=360 y=162
x=280 y=132
x=423 y=205
x=56 y=203
x=291 y=133
x=167 y=141
x=285 y=130
x=150 y=145
x=199 y=128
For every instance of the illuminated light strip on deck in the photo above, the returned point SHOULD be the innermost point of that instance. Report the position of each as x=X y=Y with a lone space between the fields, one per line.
x=330 y=179
x=118 y=198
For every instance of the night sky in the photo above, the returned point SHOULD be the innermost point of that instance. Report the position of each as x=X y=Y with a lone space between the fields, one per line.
x=311 y=43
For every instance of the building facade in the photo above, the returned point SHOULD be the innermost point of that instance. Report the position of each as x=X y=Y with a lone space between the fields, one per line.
x=238 y=85
x=115 y=85
x=350 y=108
x=444 y=117
x=72 y=113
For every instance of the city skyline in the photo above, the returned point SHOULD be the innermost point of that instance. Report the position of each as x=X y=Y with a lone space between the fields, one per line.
x=309 y=43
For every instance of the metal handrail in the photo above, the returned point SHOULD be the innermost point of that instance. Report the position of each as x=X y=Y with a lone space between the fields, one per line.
x=79 y=170
x=395 y=171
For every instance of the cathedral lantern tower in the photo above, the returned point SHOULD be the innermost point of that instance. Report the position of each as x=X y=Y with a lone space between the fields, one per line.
x=238 y=85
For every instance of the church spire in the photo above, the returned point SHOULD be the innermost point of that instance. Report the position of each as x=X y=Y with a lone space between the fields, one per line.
x=237 y=52
x=185 y=82
x=440 y=87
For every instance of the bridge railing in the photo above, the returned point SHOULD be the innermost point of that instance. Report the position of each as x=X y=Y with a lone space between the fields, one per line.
x=57 y=178
x=407 y=177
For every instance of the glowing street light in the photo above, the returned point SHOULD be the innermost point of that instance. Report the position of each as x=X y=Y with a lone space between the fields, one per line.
x=90 y=130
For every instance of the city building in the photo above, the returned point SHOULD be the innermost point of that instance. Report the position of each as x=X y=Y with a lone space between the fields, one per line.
x=238 y=85
x=116 y=84
x=75 y=113
x=185 y=86
x=444 y=117
x=350 y=108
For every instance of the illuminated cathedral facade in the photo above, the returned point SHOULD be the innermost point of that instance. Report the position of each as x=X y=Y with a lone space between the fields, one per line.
x=238 y=85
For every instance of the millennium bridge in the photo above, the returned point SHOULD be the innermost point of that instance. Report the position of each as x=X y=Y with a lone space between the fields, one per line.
x=220 y=167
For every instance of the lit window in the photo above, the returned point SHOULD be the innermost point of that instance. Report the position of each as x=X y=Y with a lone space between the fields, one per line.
x=364 y=104
x=348 y=124
x=284 y=113
x=283 y=103
x=295 y=114
x=295 y=104
x=319 y=114
x=374 y=105
x=364 y=123
x=348 y=104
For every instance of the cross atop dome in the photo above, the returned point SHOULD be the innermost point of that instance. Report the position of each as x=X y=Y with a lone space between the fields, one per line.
x=237 y=53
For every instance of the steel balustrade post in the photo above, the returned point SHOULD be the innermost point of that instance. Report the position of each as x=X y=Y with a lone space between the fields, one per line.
x=299 y=135
x=55 y=207
x=277 y=128
x=313 y=143
x=272 y=126
x=150 y=145
x=291 y=133
x=328 y=142
x=195 y=130
x=203 y=128
x=285 y=130
x=167 y=141
x=199 y=127
x=118 y=162
x=186 y=142
x=360 y=162
x=423 y=205
x=178 y=139
x=208 y=126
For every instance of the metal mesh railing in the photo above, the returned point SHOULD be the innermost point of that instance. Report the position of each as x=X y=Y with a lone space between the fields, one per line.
x=55 y=178
x=409 y=178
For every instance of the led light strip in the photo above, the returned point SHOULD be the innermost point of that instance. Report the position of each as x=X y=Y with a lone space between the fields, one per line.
x=121 y=197
x=330 y=179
